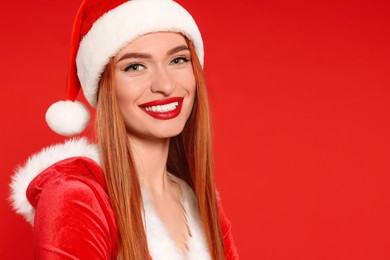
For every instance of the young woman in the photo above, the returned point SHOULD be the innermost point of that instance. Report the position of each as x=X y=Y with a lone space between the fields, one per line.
x=146 y=190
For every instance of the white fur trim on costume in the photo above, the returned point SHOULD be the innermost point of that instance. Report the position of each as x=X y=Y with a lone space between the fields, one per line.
x=39 y=162
x=161 y=245
x=67 y=118
x=118 y=27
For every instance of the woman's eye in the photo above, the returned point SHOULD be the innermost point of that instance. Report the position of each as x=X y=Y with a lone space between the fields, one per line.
x=180 y=60
x=134 y=67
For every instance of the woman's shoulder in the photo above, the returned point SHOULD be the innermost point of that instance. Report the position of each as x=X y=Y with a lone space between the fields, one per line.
x=57 y=165
x=62 y=192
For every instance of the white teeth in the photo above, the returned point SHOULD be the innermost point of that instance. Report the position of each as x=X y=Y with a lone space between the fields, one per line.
x=163 y=108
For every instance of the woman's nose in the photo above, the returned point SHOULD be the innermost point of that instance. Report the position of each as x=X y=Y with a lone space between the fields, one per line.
x=162 y=82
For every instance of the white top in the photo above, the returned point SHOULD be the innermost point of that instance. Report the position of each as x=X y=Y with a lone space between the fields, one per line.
x=160 y=242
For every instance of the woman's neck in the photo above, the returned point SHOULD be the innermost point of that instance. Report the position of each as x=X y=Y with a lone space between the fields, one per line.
x=150 y=157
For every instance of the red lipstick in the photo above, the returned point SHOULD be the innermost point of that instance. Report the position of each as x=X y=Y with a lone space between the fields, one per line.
x=163 y=109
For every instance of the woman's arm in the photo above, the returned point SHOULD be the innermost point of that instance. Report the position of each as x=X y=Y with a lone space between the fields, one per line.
x=229 y=245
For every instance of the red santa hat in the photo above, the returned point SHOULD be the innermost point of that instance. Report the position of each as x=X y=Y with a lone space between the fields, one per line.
x=101 y=29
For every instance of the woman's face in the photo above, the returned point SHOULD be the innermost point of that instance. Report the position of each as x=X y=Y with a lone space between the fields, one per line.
x=155 y=85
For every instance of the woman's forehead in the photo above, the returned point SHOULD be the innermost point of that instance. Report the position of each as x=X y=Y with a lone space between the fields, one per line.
x=155 y=42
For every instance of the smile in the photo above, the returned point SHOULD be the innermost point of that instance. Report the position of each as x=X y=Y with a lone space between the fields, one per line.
x=163 y=109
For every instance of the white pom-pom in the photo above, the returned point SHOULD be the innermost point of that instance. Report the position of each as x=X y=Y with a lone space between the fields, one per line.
x=67 y=118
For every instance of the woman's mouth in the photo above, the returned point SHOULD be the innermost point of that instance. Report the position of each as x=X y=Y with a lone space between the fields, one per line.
x=163 y=109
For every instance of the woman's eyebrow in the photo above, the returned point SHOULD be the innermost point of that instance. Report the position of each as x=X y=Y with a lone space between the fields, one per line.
x=141 y=55
x=138 y=55
x=177 y=49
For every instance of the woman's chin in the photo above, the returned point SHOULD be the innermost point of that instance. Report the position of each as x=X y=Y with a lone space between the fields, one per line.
x=156 y=133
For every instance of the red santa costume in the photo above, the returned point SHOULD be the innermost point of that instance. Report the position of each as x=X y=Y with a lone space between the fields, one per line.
x=61 y=190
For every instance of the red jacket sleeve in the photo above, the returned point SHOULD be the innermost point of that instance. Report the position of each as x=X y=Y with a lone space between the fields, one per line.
x=229 y=246
x=73 y=217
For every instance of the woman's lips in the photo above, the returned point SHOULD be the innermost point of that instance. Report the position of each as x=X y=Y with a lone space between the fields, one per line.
x=163 y=108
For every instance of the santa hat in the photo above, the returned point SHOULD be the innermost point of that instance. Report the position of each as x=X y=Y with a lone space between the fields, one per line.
x=101 y=29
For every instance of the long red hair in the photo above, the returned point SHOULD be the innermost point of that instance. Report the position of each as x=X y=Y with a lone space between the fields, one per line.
x=189 y=158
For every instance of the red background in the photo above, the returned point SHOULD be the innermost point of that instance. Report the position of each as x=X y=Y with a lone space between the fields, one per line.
x=300 y=97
